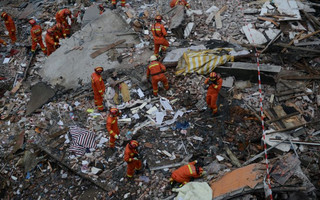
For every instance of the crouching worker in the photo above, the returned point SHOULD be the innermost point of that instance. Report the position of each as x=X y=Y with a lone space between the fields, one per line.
x=131 y=156
x=186 y=173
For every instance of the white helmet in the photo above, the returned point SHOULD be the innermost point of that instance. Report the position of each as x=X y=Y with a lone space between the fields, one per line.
x=153 y=58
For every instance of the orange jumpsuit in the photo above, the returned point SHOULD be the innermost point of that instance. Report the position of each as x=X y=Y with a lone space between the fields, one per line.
x=212 y=93
x=185 y=173
x=58 y=33
x=3 y=42
x=11 y=28
x=133 y=164
x=62 y=19
x=51 y=44
x=36 y=35
x=173 y=3
x=112 y=127
x=156 y=69
x=98 y=90
x=159 y=33
x=123 y=2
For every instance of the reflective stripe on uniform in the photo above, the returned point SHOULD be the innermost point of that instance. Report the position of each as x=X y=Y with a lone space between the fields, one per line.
x=190 y=170
x=100 y=91
x=129 y=175
x=100 y=106
x=155 y=90
x=215 y=109
x=215 y=87
x=111 y=131
x=153 y=65
x=114 y=121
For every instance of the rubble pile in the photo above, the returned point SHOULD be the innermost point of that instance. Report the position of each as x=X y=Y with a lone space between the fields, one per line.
x=47 y=102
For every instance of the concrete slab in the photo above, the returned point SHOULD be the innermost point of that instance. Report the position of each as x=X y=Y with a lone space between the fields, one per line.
x=174 y=55
x=68 y=69
x=254 y=36
x=40 y=94
x=91 y=14
x=253 y=66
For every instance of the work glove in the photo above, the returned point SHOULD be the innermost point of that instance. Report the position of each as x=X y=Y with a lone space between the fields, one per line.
x=116 y=136
x=135 y=158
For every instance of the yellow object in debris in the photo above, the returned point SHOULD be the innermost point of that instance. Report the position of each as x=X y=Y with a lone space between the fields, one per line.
x=90 y=110
x=203 y=62
x=125 y=92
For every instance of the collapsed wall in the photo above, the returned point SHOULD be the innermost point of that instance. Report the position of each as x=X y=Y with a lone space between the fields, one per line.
x=67 y=68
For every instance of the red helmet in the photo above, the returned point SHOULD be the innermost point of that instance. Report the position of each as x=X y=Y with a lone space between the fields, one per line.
x=98 y=69
x=114 y=111
x=67 y=12
x=4 y=15
x=158 y=18
x=133 y=144
x=213 y=75
x=50 y=31
x=32 y=22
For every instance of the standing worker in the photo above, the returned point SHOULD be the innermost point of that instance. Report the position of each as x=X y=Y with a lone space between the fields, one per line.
x=187 y=172
x=61 y=17
x=114 y=3
x=3 y=42
x=173 y=3
x=131 y=157
x=52 y=45
x=112 y=126
x=215 y=83
x=9 y=23
x=159 y=33
x=98 y=88
x=156 y=70
x=36 y=37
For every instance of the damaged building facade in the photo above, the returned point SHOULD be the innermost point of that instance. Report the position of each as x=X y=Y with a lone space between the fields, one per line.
x=267 y=53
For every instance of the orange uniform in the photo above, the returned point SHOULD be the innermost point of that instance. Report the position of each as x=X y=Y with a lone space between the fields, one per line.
x=98 y=89
x=159 y=33
x=36 y=35
x=123 y=2
x=212 y=93
x=61 y=17
x=156 y=70
x=9 y=23
x=173 y=3
x=58 y=32
x=3 y=42
x=112 y=127
x=185 y=173
x=52 y=45
x=133 y=164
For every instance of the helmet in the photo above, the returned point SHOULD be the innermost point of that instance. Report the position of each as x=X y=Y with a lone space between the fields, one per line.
x=98 y=69
x=133 y=144
x=158 y=18
x=114 y=111
x=50 y=31
x=153 y=58
x=213 y=75
x=100 y=6
x=67 y=12
x=32 y=22
x=4 y=15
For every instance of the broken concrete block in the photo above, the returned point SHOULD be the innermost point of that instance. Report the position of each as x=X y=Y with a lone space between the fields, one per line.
x=228 y=82
x=188 y=29
x=272 y=33
x=254 y=36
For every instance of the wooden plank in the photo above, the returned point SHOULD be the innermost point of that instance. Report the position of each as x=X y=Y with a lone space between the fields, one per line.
x=292 y=41
x=101 y=51
x=309 y=35
x=269 y=20
x=297 y=48
x=58 y=133
x=311 y=77
x=218 y=17
x=210 y=17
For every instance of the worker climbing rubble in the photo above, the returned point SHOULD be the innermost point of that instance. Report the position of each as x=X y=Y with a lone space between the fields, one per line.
x=52 y=45
x=101 y=9
x=9 y=23
x=36 y=37
x=58 y=32
x=186 y=173
x=112 y=126
x=215 y=83
x=156 y=70
x=98 y=88
x=61 y=17
x=173 y=3
x=131 y=156
x=114 y=3
x=159 y=33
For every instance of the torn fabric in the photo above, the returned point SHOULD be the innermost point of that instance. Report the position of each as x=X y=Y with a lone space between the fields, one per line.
x=81 y=139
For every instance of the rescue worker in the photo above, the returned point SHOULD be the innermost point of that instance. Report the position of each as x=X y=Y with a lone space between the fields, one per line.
x=112 y=126
x=52 y=45
x=156 y=70
x=36 y=37
x=58 y=32
x=114 y=3
x=9 y=23
x=186 y=173
x=159 y=33
x=98 y=88
x=3 y=42
x=173 y=3
x=131 y=157
x=61 y=17
x=101 y=8
x=215 y=83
